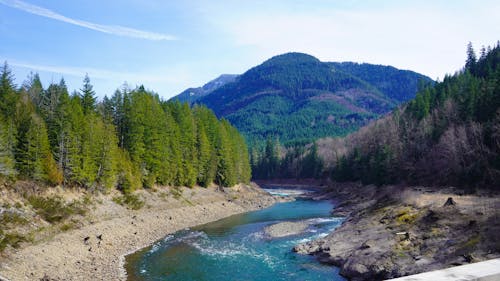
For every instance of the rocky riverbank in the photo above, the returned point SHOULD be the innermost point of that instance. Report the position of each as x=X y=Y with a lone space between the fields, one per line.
x=395 y=231
x=96 y=250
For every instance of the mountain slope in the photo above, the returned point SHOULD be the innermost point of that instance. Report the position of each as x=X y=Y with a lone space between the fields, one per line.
x=397 y=84
x=449 y=134
x=190 y=95
x=295 y=97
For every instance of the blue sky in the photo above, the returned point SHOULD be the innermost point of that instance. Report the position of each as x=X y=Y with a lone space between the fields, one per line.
x=171 y=45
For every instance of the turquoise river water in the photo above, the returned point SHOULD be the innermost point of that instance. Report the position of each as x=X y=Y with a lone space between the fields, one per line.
x=236 y=248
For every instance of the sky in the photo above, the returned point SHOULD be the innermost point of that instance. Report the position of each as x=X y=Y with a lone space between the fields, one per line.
x=168 y=46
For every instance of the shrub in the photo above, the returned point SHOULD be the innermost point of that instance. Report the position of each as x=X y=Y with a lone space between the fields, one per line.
x=12 y=218
x=131 y=201
x=53 y=209
x=10 y=239
x=68 y=226
x=176 y=192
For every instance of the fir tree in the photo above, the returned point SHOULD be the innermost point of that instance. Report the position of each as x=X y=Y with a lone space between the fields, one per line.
x=88 y=98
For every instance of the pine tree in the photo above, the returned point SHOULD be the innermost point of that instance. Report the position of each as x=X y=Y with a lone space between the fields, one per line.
x=207 y=125
x=226 y=174
x=203 y=157
x=70 y=143
x=7 y=162
x=34 y=89
x=470 y=63
x=88 y=98
x=128 y=175
x=33 y=157
x=8 y=96
x=8 y=100
x=185 y=121
x=106 y=153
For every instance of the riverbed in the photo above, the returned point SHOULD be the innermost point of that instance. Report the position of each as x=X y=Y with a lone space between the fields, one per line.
x=237 y=248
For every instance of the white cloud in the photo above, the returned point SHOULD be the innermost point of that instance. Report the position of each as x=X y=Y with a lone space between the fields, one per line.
x=110 y=29
x=422 y=37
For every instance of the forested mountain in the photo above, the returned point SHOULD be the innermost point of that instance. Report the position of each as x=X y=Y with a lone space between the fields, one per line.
x=193 y=94
x=294 y=97
x=449 y=134
x=399 y=85
x=130 y=140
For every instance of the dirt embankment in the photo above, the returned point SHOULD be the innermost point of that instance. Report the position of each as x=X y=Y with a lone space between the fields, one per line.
x=395 y=231
x=95 y=248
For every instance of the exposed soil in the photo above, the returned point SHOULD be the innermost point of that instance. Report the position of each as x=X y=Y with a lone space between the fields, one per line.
x=95 y=249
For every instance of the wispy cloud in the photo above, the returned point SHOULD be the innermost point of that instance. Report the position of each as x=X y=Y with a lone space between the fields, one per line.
x=110 y=29
x=92 y=72
x=166 y=81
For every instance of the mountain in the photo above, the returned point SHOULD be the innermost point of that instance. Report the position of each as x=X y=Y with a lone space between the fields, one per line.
x=296 y=97
x=448 y=135
x=395 y=83
x=192 y=94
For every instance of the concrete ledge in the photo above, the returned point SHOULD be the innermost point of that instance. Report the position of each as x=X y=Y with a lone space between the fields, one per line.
x=480 y=271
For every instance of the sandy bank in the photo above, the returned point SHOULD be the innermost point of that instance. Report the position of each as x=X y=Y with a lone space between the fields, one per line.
x=67 y=256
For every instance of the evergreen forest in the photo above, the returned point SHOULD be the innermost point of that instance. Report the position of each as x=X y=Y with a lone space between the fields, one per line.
x=294 y=98
x=131 y=140
x=449 y=134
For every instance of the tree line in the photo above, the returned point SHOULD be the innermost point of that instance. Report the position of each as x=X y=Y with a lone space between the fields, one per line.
x=275 y=161
x=133 y=139
x=448 y=135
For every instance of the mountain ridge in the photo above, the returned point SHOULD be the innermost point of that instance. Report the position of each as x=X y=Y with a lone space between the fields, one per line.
x=190 y=95
x=296 y=97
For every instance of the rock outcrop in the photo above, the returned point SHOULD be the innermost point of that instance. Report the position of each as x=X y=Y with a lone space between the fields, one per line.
x=287 y=228
x=391 y=233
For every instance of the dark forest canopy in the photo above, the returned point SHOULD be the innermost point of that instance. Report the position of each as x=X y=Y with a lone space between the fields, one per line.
x=296 y=98
x=130 y=140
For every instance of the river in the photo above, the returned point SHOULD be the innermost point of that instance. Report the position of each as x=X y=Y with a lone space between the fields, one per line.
x=236 y=248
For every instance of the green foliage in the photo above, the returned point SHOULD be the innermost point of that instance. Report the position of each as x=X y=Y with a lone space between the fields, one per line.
x=399 y=85
x=88 y=98
x=447 y=135
x=131 y=201
x=10 y=239
x=8 y=130
x=131 y=140
x=311 y=165
x=295 y=97
x=129 y=176
x=54 y=209
x=7 y=162
x=176 y=192
x=68 y=226
x=299 y=161
x=12 y=218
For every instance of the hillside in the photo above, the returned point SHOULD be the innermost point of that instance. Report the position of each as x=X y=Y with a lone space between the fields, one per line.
x=397 y=84
x=449 y=134
x=192 y=94
x=295 y=97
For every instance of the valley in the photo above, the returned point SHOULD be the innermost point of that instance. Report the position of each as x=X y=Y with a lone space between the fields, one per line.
x=308 y=164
